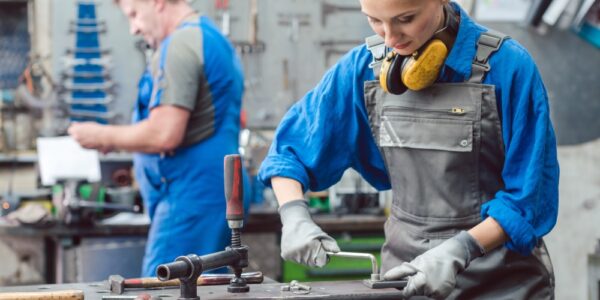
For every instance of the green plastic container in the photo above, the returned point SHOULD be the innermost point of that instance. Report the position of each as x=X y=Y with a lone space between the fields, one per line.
x=339 y=268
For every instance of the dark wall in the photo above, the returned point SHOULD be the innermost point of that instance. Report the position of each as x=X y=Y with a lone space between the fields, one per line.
x=570 y=68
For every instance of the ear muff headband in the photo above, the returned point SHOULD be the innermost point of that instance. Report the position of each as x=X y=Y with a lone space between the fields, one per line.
x=399 y=73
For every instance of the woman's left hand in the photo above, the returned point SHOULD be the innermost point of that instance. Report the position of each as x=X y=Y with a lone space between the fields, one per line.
x=433 y=273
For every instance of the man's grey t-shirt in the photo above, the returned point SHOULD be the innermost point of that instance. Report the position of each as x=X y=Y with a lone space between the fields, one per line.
x=183 y=82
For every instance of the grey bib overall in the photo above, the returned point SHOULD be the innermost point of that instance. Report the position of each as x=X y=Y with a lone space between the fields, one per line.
x=444 y=152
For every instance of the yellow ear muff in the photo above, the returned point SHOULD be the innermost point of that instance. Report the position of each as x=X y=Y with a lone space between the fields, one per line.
x=422 y=69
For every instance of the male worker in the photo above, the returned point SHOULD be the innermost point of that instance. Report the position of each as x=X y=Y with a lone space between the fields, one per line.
x=185 y=121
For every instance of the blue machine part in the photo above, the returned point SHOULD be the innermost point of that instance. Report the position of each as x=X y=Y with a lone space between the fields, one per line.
x=591 y=33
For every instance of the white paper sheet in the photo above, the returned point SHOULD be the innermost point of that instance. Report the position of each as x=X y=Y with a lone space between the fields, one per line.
x=62 y=158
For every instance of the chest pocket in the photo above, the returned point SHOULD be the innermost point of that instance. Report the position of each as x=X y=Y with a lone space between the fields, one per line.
x=426 y=133
x=431 y=150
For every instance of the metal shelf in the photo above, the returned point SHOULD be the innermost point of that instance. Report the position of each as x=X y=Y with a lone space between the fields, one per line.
x=31 y=157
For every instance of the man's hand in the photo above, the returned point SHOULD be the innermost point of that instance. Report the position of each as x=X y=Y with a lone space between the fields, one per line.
x=433 y=273
x=302 y=240
x=90 y=135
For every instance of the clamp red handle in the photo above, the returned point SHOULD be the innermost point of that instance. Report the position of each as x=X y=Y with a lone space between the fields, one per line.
x=234 y=187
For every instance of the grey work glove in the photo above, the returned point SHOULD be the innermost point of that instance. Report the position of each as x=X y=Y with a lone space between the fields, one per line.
x=433 y=273
x=302 y=240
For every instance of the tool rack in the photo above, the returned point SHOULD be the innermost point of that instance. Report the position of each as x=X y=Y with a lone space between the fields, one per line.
x=86 y=85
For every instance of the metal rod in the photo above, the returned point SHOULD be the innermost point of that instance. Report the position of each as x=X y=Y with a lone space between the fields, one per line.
x=374 y=264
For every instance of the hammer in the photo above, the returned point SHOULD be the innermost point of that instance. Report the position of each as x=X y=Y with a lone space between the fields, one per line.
x=118 y=284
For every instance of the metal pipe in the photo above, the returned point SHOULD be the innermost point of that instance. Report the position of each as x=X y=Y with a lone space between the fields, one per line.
x=186 y=266
x=219 y=259
x=374 y=264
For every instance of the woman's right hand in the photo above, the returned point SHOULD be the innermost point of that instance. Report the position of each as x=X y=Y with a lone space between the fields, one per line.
x=302 y=240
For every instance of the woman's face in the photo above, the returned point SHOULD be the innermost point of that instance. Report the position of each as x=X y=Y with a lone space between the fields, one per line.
x=404 y=24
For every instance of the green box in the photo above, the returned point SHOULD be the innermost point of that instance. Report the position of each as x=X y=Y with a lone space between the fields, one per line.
x=339 y=268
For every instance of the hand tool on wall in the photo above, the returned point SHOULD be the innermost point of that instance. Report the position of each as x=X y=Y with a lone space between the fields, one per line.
x=118 y=284
x=48 y=295
x=375 y=281
x=223 y=7
x=328 y=9
x=253 y=26
x=188 y=268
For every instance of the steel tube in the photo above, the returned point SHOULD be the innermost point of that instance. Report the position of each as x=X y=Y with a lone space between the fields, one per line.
x=374 y=264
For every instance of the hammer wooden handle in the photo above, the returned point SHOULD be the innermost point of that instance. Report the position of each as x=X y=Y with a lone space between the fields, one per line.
x=49 y=295
x=207 y=279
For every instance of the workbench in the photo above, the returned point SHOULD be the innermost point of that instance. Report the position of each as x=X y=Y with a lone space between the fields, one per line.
x=264 y=220
x=64 y=247
x=267 y=290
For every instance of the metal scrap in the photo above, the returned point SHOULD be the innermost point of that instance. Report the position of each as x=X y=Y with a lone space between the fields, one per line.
x=296 y=288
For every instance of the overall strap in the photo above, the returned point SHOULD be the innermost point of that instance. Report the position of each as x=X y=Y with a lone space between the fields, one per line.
x=159 y=76
x=376 y=45
x=488 y=43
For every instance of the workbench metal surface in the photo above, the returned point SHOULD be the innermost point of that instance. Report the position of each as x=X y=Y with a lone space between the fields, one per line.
x=319 y=290
x=63 y=245
x=59 y=230
x=257 y=222
x=269 y=221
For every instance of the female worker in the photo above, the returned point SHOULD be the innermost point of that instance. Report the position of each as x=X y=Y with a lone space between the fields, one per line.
x=463 y=137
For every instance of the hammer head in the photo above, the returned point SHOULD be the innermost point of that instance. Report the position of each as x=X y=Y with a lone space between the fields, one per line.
x=116 y=284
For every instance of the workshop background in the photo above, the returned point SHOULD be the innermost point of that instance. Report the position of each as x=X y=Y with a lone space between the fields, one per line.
x=57 y=67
